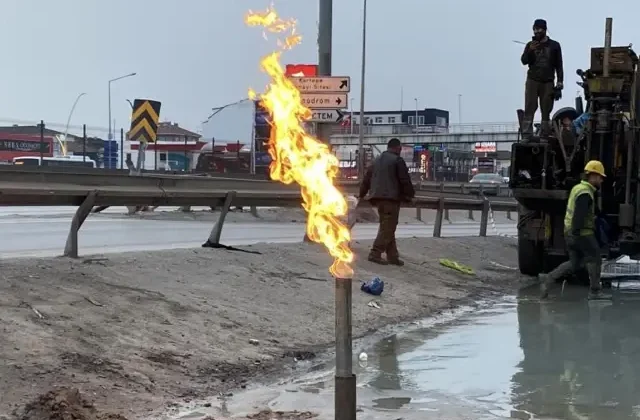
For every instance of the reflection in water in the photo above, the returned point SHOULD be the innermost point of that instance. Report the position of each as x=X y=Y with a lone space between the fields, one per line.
x=581 y=358
x=566 y=358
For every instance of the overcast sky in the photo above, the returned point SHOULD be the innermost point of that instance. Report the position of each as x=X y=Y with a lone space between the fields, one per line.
x=197 y=54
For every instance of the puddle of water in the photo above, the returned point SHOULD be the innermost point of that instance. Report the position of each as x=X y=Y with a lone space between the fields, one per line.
x=565 y=358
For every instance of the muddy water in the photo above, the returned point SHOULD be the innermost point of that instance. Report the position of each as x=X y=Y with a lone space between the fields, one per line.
x=517 y=358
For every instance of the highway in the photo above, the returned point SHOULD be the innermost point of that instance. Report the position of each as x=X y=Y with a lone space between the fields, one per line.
x=38 y=231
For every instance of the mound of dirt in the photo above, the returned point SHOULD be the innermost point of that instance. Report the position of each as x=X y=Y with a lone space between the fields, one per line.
x=63 y=404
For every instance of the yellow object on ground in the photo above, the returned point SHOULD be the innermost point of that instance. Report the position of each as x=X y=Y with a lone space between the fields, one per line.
x=465 y=269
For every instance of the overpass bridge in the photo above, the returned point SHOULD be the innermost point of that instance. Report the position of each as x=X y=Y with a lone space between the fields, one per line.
x=467 y=135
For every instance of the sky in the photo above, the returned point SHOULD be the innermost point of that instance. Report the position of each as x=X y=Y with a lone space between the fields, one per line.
x=193 y=55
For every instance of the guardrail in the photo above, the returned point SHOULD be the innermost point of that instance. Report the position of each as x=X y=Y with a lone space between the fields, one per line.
x=90 y=176
x=63 y=189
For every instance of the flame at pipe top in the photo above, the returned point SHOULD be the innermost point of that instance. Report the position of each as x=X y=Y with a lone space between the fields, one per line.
x=299 y=157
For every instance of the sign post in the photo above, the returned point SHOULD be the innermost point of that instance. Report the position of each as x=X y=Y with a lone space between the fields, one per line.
x=144 y=126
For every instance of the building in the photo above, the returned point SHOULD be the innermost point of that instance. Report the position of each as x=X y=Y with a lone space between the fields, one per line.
x=26 y=140
x=424 y=120
x=175 y=149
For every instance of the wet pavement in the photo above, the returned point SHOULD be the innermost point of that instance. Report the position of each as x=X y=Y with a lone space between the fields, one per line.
x=565 y=358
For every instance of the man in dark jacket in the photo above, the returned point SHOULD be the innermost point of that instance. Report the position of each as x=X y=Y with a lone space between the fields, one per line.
x=388 y=183
x=544 y=58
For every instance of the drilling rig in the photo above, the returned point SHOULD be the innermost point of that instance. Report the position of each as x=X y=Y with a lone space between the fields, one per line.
x=544 y=170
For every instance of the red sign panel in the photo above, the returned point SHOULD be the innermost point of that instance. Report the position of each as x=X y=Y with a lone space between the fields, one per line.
x=16 y=145
x=301 y=70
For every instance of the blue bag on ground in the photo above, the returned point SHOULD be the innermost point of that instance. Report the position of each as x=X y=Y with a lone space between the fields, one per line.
x=375 y=286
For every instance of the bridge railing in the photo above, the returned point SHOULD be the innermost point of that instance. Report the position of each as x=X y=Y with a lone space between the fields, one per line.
x=87 y=191
x=391 y=129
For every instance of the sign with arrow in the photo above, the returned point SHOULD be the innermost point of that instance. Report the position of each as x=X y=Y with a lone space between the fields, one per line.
x=327 y=84
x=315 y=101
x=328 y=116
x=144 y=120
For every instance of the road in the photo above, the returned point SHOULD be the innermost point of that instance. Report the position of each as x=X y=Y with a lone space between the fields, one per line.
x=44 y=234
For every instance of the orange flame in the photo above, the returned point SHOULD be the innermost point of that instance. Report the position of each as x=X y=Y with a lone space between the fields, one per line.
x=297 y=156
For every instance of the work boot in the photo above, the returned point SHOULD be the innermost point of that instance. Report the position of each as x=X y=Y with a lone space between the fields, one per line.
x=395 y=261
x=377 y=259
x=597 y=294
x=544 y=285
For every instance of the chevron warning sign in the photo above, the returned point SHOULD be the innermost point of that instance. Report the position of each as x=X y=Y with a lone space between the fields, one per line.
x=144 y=120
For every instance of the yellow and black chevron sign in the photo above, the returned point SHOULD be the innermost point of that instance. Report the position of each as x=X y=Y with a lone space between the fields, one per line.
x=144 y=120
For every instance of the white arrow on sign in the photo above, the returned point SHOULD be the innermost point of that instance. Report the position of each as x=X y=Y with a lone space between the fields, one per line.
x=332 y=84
x=329 y=116
x=325 y=100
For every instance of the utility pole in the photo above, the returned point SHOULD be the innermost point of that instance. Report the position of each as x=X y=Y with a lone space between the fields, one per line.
x=345 y=380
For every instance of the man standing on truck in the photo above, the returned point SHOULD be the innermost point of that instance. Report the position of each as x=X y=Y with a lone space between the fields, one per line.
x=388 y=183
x=580 y=234
x=544 y=58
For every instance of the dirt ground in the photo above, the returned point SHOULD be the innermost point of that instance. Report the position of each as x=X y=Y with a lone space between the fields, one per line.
x=139 y=333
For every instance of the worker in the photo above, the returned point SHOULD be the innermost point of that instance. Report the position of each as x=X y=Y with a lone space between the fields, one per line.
x=388 y=183
x=544 y=58
x=580 y=234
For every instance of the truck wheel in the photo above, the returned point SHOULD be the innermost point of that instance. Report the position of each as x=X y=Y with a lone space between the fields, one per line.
x=529 y=258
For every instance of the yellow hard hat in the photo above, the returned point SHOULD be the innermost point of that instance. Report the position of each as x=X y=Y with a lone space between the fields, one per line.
x=595 y=167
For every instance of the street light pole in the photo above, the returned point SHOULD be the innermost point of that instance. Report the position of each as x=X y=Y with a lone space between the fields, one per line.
x=66 y=129
x=109 y=84
x=362 y=87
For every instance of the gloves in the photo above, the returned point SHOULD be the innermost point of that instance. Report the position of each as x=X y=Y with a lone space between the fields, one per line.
x=559 y=85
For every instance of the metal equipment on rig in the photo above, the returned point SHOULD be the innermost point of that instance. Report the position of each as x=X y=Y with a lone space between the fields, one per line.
x=544 y=169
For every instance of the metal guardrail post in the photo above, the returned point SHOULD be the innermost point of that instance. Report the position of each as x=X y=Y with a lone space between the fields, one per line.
x=509 y=215
x=484 y=218
x=437 y=226
x=446 y=215
x=419 y=214
x=254 y=211
x=71 y=247
x=216 y=232
x=470 y=215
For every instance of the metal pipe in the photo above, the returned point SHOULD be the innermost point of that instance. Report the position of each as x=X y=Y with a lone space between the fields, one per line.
x=345 y=392
x=363 y=67
x=607 y=46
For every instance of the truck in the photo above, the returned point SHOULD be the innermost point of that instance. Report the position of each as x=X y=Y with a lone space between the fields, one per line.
x=545 y=168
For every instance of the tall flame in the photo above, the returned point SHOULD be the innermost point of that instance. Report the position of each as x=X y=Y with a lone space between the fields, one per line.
x=299 y=157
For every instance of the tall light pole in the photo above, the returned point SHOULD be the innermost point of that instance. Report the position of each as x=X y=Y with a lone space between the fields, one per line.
x=362 y=87
x=66 y=129
x=111 y=81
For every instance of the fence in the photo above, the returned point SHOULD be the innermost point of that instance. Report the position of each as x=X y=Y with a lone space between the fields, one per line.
x=30 y=188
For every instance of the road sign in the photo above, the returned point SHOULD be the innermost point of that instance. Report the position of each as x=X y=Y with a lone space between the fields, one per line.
x=322 y=84
x=325 y=100
x=328 y=116
x=306 y=70
x=144 y=120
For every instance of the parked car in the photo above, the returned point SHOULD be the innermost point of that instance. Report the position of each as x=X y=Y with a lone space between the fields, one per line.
x=491 y=181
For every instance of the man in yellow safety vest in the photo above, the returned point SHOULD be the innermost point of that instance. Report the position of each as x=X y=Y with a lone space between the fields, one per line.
x=579 y=232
